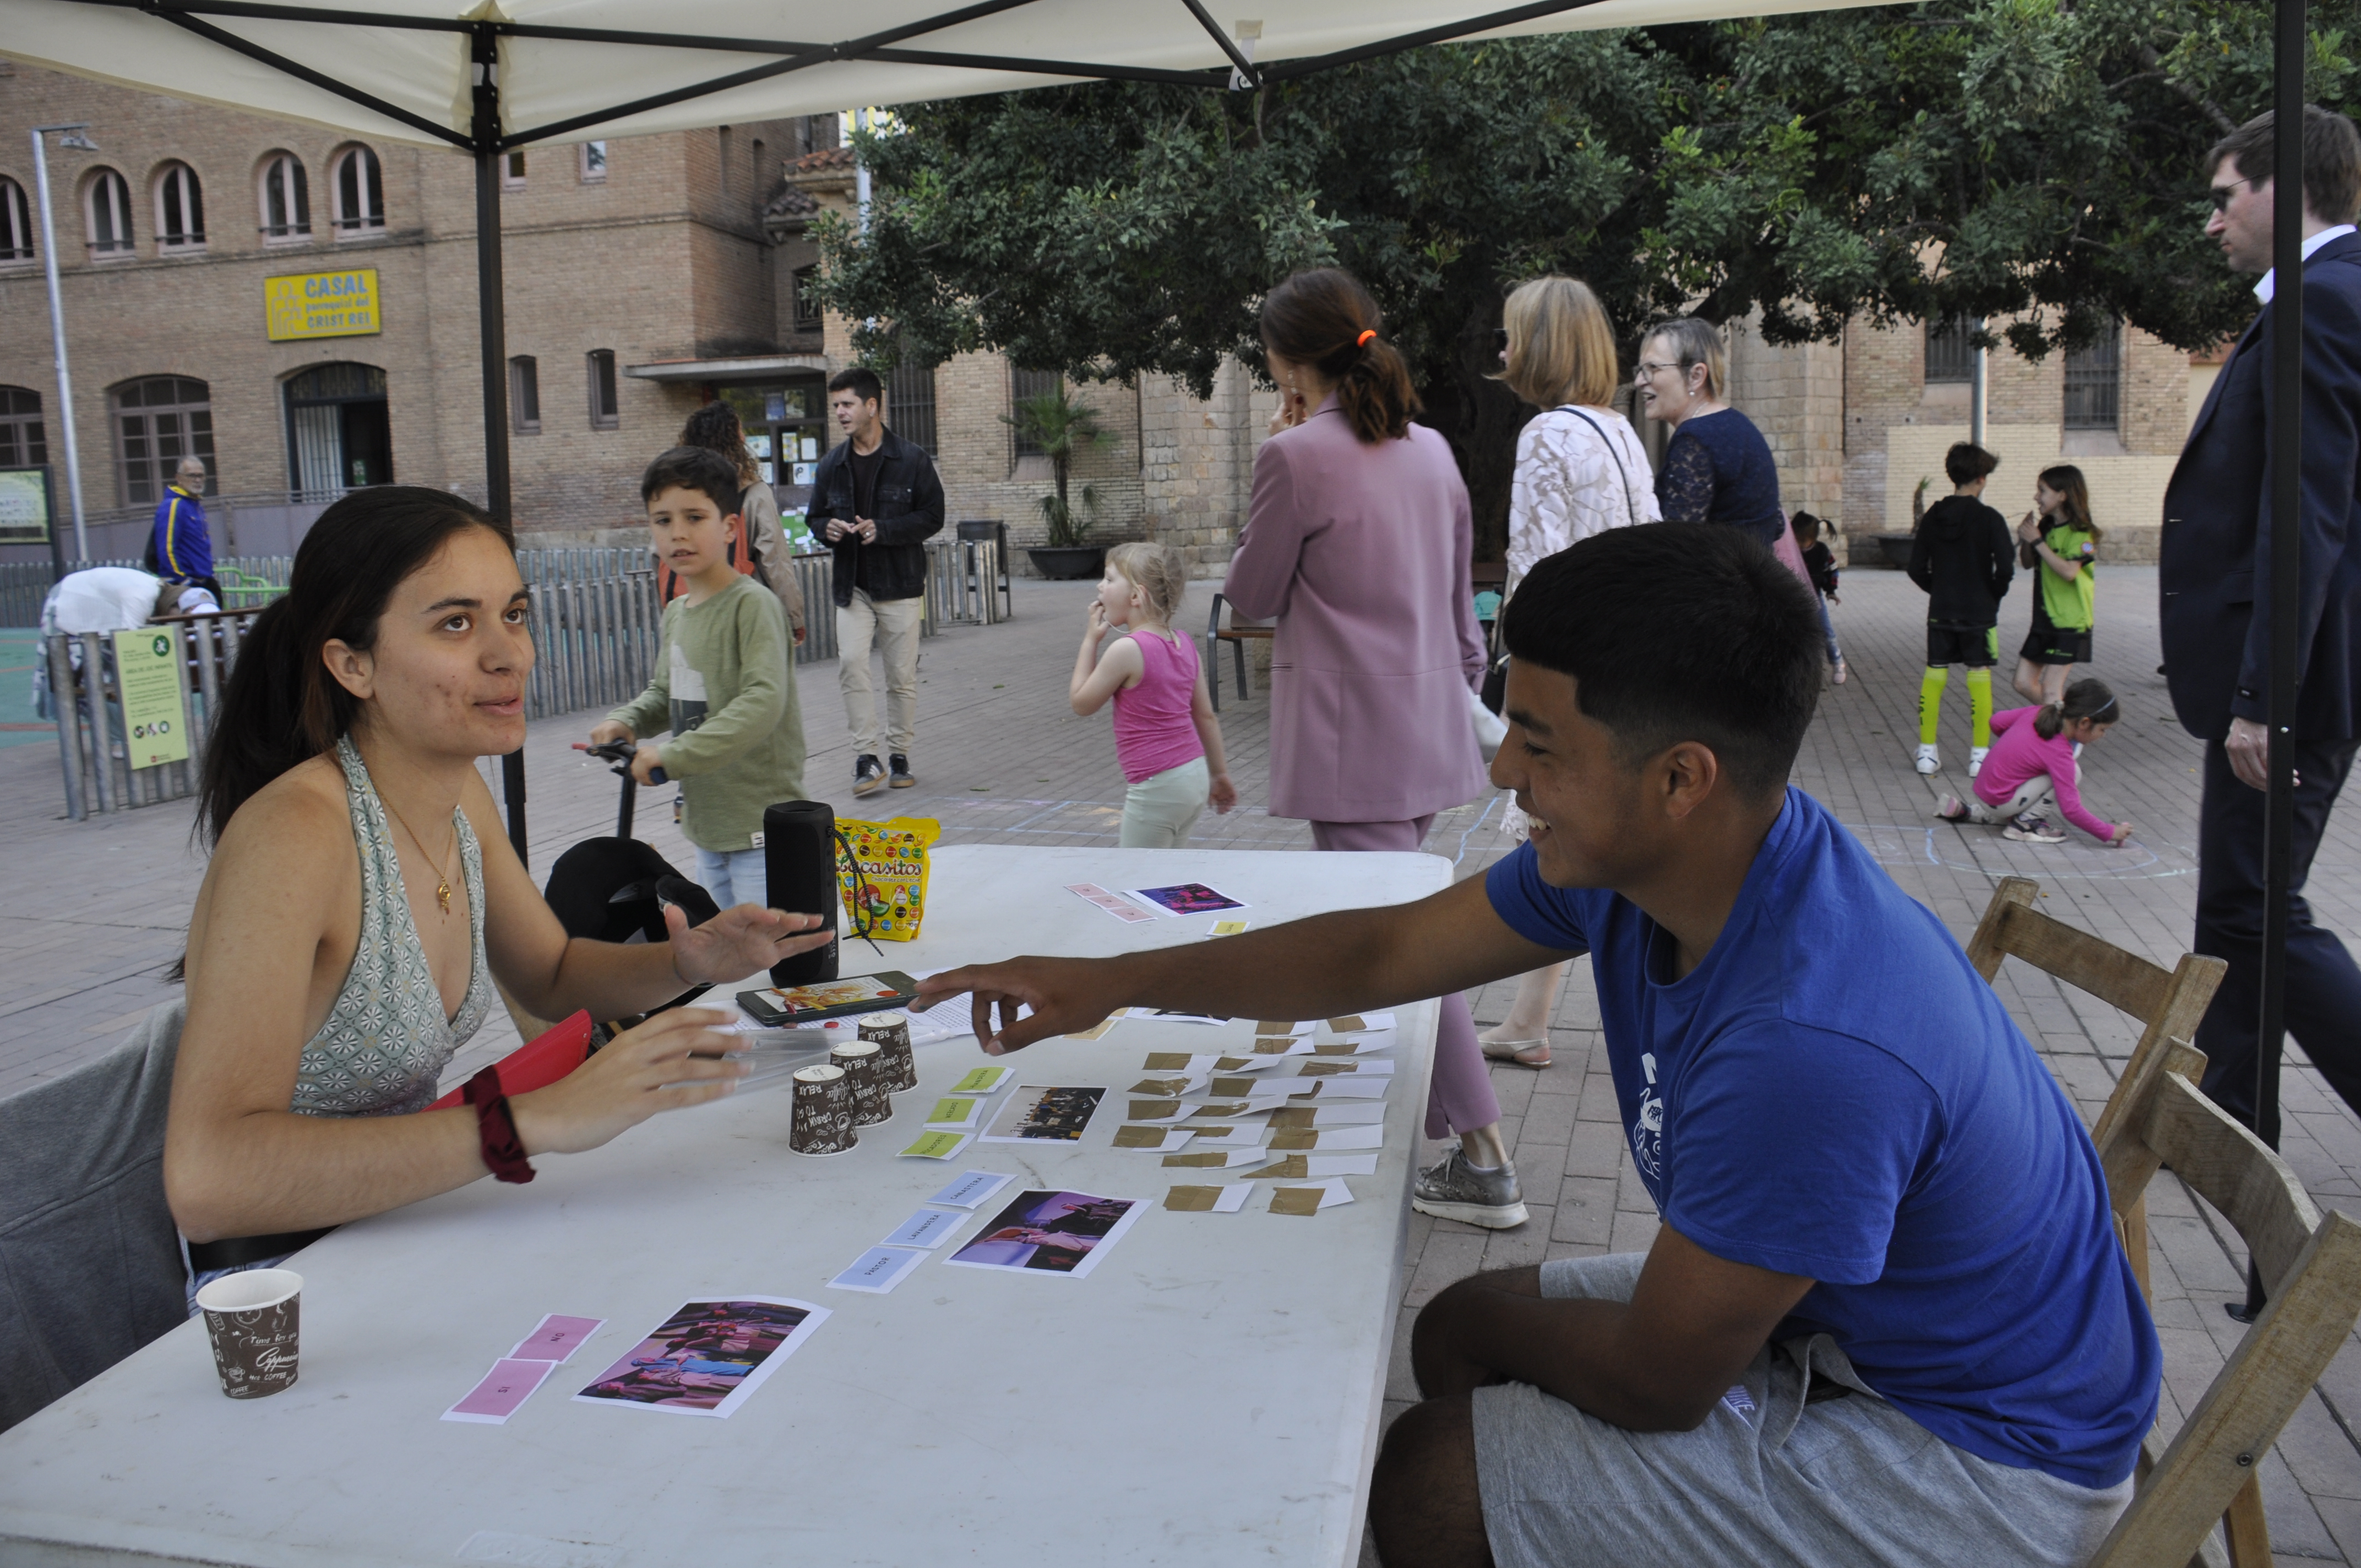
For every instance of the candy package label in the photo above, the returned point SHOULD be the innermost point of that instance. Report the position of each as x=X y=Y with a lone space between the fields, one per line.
x=884 y=883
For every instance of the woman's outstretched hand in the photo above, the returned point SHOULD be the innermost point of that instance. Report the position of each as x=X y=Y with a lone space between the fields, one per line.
x=739 y=941
x=641 y=1071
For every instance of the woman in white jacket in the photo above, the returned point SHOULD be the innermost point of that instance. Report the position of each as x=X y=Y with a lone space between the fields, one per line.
x=1580 y=470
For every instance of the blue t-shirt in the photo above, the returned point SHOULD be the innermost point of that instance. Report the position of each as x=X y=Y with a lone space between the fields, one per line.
x=1834 y=1092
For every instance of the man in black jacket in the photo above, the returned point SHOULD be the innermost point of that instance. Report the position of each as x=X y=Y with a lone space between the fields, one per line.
x=876 y=499
x=1963 y=557
x=2215 y=575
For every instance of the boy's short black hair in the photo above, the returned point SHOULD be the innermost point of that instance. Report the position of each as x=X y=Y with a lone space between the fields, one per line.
x=1966 y=463
x=694 y=468
x=860 y=383
x=1679 y=631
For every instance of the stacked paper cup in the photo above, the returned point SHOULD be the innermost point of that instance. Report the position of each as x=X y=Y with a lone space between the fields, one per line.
x=891 y=1034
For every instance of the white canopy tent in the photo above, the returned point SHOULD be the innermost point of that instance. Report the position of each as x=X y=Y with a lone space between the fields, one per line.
x=495 y=77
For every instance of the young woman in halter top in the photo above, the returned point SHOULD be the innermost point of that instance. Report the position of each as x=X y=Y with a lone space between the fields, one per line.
x=362 y=896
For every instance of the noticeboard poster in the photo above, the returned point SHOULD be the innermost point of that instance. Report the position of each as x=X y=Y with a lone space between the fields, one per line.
x=155 y=721
x=24 y=505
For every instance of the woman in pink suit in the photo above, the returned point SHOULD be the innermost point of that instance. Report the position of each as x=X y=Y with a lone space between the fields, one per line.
x=1357 y=547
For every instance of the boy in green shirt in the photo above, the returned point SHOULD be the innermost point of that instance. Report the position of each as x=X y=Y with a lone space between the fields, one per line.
x=722 y=683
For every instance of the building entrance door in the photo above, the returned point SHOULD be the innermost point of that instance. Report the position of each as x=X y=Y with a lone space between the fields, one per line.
x=787 y=429
x=339 y=432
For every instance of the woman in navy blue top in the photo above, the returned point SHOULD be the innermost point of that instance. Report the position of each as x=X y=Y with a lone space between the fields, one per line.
x=1717 y=468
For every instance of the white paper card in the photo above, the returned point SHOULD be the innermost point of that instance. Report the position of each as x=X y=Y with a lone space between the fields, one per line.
x=926 y=1230
x=1351 y=1088
x=971 y=1189
x=1330 y=1139
x=1361 y=1023
x=878 y=1270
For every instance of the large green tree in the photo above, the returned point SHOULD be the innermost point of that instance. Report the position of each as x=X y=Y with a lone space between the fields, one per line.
x=2037 y=158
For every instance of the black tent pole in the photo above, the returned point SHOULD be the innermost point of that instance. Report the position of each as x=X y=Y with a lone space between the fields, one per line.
x=492 y=325
x=2286 y=564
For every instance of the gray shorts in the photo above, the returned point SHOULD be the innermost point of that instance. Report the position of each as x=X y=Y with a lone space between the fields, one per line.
x=1832 y=1483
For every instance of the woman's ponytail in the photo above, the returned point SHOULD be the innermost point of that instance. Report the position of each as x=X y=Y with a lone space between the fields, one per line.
x=281 y=707
x=1324 y=319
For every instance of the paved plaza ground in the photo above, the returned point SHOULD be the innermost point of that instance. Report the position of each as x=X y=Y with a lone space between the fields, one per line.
x=97 y=911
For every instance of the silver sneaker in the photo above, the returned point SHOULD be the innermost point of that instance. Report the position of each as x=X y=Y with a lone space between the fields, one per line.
x=1457 y=1191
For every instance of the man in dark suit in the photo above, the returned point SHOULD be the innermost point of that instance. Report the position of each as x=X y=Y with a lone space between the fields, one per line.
x=2217 y=608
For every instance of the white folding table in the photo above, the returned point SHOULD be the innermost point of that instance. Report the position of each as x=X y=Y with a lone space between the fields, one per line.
x=1209 y=1393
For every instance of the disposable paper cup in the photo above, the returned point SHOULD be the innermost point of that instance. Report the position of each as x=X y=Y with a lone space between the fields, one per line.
x=891 y=1032
x=864 y=1066
x=821 y=1119
x=251 y=1320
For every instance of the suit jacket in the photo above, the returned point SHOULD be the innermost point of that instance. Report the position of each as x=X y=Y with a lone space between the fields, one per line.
x=2215 y=568
x=1360 y=553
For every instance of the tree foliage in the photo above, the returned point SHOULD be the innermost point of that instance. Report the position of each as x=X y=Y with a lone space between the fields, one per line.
x=2037 y=158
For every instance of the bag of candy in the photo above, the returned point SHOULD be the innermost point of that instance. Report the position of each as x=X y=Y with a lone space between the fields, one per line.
x=882 y=873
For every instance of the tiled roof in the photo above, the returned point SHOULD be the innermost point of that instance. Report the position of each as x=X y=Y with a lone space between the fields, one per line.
x=825 y=158
x=792 y=204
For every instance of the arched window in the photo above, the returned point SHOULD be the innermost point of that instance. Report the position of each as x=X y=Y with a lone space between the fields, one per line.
x=15 y=223
x=158 y=420
x=286 y=199
x=180 y=208
x=23 y=443
x=357 y=185
x=106 y=214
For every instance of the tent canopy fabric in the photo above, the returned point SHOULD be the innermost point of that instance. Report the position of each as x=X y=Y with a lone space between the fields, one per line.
x=570 y=69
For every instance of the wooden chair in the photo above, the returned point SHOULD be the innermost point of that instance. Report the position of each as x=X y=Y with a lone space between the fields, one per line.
x=2310 y=1269
x=2167 y=1002
x=1238 y=637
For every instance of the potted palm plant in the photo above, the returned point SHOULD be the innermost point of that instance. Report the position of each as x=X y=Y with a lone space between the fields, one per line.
x=1062 y=428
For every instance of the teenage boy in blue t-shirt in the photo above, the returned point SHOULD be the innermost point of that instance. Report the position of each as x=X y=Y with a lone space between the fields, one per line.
x=1885 y=1319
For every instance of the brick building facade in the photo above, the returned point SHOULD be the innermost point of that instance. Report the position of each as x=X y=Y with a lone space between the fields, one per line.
x=616 y=255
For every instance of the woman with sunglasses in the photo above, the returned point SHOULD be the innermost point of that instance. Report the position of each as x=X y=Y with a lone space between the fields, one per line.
x=1718 y=467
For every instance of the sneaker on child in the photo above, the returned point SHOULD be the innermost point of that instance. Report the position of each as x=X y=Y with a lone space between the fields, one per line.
x=1976 y=755
x=1928 y=762
x=2032 y=829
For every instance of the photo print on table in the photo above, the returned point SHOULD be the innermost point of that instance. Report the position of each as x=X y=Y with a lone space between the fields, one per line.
x=1185 y=898
x=1049 y=1233
x=1034 y=1114
x=708 y=1356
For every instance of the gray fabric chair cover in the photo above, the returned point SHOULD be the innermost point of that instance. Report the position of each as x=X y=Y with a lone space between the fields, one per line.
x=89 y=1261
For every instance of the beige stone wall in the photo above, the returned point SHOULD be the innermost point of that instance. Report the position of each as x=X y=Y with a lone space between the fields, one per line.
x=1200 y=463
x=1795 y=397
x=662 y=257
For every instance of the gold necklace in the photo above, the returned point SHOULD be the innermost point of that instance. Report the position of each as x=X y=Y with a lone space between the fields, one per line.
x=441 y=888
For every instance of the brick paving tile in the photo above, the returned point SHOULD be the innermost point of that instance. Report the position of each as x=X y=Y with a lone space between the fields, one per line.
x=101 y=906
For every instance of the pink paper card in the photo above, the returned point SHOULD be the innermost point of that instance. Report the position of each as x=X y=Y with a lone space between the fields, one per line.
x=1123 y=909
x=502 y=1393
x=557 y=1339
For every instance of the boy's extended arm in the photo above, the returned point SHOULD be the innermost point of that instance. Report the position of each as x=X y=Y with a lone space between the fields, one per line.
x=761 y=700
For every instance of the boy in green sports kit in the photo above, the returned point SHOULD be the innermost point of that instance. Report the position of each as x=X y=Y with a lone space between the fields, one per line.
x=1963 y=557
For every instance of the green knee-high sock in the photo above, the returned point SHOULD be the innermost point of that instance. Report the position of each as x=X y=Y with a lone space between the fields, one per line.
x=1930 y=700
x=1980 y=707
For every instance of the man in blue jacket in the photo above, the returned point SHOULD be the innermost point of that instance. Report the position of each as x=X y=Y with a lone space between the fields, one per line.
x=2217 y=609
x=877 y=501
x=179 y=548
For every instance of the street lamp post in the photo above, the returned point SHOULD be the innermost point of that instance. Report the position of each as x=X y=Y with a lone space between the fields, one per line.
x=72 y=137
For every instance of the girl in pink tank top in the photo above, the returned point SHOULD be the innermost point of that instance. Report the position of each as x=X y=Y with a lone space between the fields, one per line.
x=1166 y=736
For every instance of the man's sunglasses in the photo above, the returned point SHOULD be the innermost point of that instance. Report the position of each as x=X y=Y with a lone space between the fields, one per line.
x=2225 y=195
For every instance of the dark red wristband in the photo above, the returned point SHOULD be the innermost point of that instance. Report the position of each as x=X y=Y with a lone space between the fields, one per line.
x=496 y=1127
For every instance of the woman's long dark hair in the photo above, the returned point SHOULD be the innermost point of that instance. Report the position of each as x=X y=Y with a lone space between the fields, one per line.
x=2088 y=698
x=1324 y=318
x=715 y=428
x=282 y=707
x=2074 y=494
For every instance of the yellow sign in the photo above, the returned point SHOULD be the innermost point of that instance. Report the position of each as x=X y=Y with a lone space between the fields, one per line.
x=155 y=721
x=322 y=305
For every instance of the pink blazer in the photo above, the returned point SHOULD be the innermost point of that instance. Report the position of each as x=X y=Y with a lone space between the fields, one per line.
x=1359 y=554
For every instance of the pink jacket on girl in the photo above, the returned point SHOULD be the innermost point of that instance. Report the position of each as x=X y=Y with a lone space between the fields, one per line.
x=2019 y=753
x=1360 y=554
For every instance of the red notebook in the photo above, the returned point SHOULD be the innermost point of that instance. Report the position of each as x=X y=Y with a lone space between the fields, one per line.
x=540 y=1062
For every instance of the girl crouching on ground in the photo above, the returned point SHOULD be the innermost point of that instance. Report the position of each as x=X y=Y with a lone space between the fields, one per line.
x=1166 y=736
x=2032 y=762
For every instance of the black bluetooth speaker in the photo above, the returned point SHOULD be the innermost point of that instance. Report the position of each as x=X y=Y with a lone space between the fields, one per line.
x=800 y=865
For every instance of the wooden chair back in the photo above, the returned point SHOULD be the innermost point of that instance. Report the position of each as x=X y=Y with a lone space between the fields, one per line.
x=2310 y=1270
x=2167 y=1002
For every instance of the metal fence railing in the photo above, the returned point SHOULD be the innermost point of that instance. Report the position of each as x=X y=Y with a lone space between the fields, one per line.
x=596 y=624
